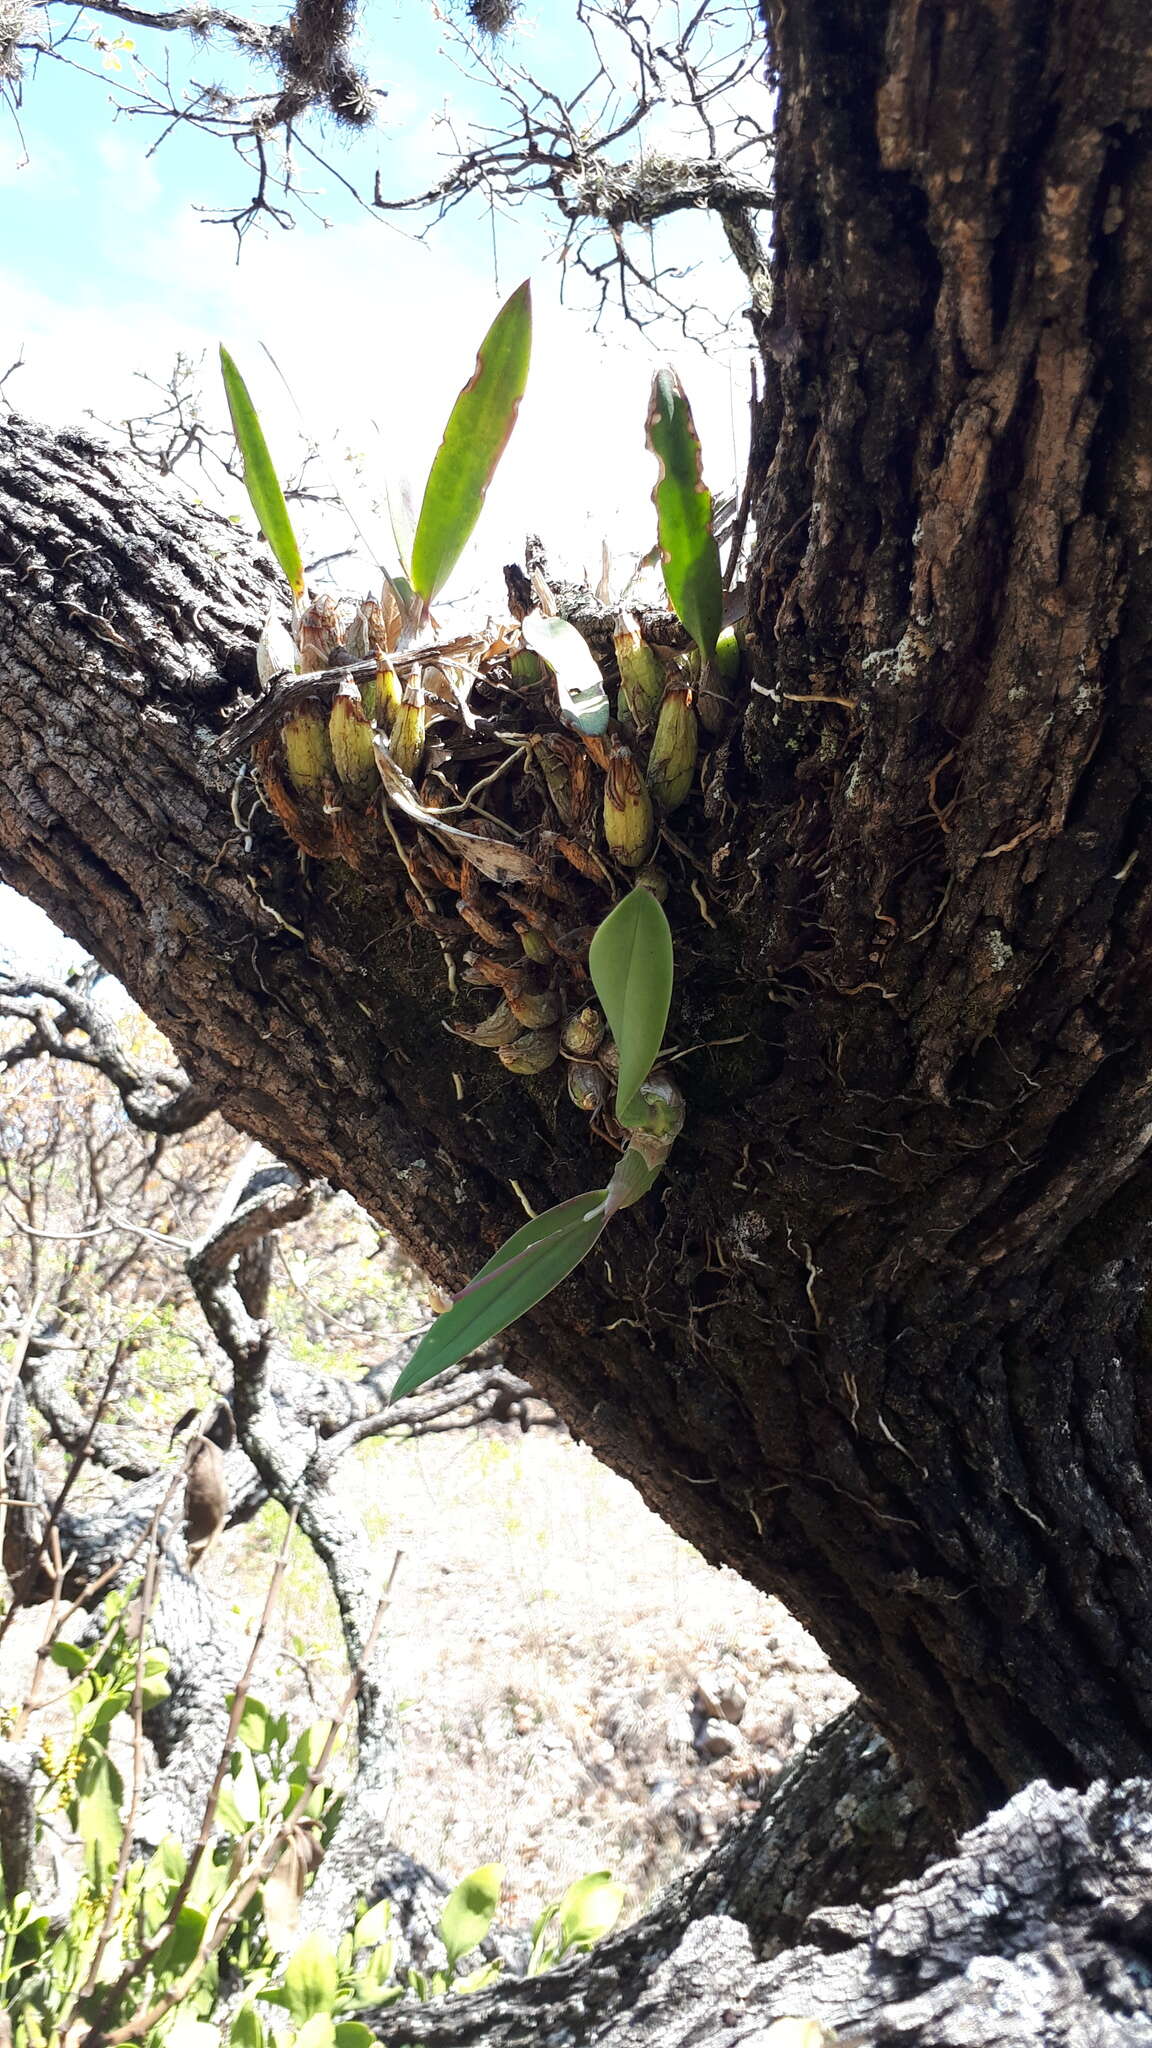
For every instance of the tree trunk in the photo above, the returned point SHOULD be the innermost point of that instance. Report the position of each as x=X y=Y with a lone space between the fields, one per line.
x=878 y=1339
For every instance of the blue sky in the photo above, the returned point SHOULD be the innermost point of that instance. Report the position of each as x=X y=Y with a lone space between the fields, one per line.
x=107 y=268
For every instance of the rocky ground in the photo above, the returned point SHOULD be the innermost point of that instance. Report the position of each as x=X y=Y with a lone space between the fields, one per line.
x=579 y=1690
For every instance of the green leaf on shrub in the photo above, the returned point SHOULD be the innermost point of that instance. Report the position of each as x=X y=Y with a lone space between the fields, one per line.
x=630 y=961
x=318 y=2032
x=260 y=479
x=161 y=1874
x=476 y=1980
x=69 y=1656
x=154 y=1685
x=353 y=2034
x=247 y=2029
x=98 y=1825
x=469 y=1910
x=182 y=1944
x=375 y=1925
x=373 y=1982
x=545 y=1920
x=520 y=1274
x=474 y=440
x=683 y=504
x=311 y=1979
x=168 y=1860
x=590 y=1908
x=239 y=1805
x=107 y=1708
x=309 y=1746
x=253 y=1728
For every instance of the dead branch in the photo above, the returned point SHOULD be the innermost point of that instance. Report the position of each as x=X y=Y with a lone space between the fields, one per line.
x=66 y=1024
x=685 y=94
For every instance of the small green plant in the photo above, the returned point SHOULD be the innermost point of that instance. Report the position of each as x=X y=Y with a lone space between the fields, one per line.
x=145 y=1944
x=83 y=1780
x=467 y=1915
x=630 y=962
x=143 y=1936
x=323 y=1983
x=331 y=800
x=587 y=1912
x=474 y=439
x=260 y=479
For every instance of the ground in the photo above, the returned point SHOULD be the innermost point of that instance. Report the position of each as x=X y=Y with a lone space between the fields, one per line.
x=549 y=1637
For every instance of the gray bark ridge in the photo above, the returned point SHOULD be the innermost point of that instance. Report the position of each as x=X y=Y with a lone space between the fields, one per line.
x=1036 y=1933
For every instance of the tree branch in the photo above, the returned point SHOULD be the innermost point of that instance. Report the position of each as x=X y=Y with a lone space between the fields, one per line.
x=158 y=1099
x=687 y=91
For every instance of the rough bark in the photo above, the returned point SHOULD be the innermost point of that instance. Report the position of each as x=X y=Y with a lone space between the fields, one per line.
x=1035 y=1932
x=838 y=1828
x=17 y=1815
x=879 y=1344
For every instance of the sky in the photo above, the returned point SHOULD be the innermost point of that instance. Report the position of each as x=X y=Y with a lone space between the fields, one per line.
x=108 y=268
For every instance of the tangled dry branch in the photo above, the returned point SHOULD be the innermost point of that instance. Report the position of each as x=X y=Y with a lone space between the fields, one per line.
x=668 y=116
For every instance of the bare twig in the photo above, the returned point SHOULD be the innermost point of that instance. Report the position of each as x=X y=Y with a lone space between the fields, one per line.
x=17 y=364
x=308 y=50
x=159 y=1099
x=87 y=1593
x=685 y=94
x=80 y=1458
x=16 y=1365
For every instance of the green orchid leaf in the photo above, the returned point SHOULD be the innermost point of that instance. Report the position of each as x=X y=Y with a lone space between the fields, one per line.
x=260 y=479
x=402 y=520
x=630 y=961
x=631 y=1179
x=520 y=1274
x=470 y=1910
x=474 y=440
x=683 y=504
